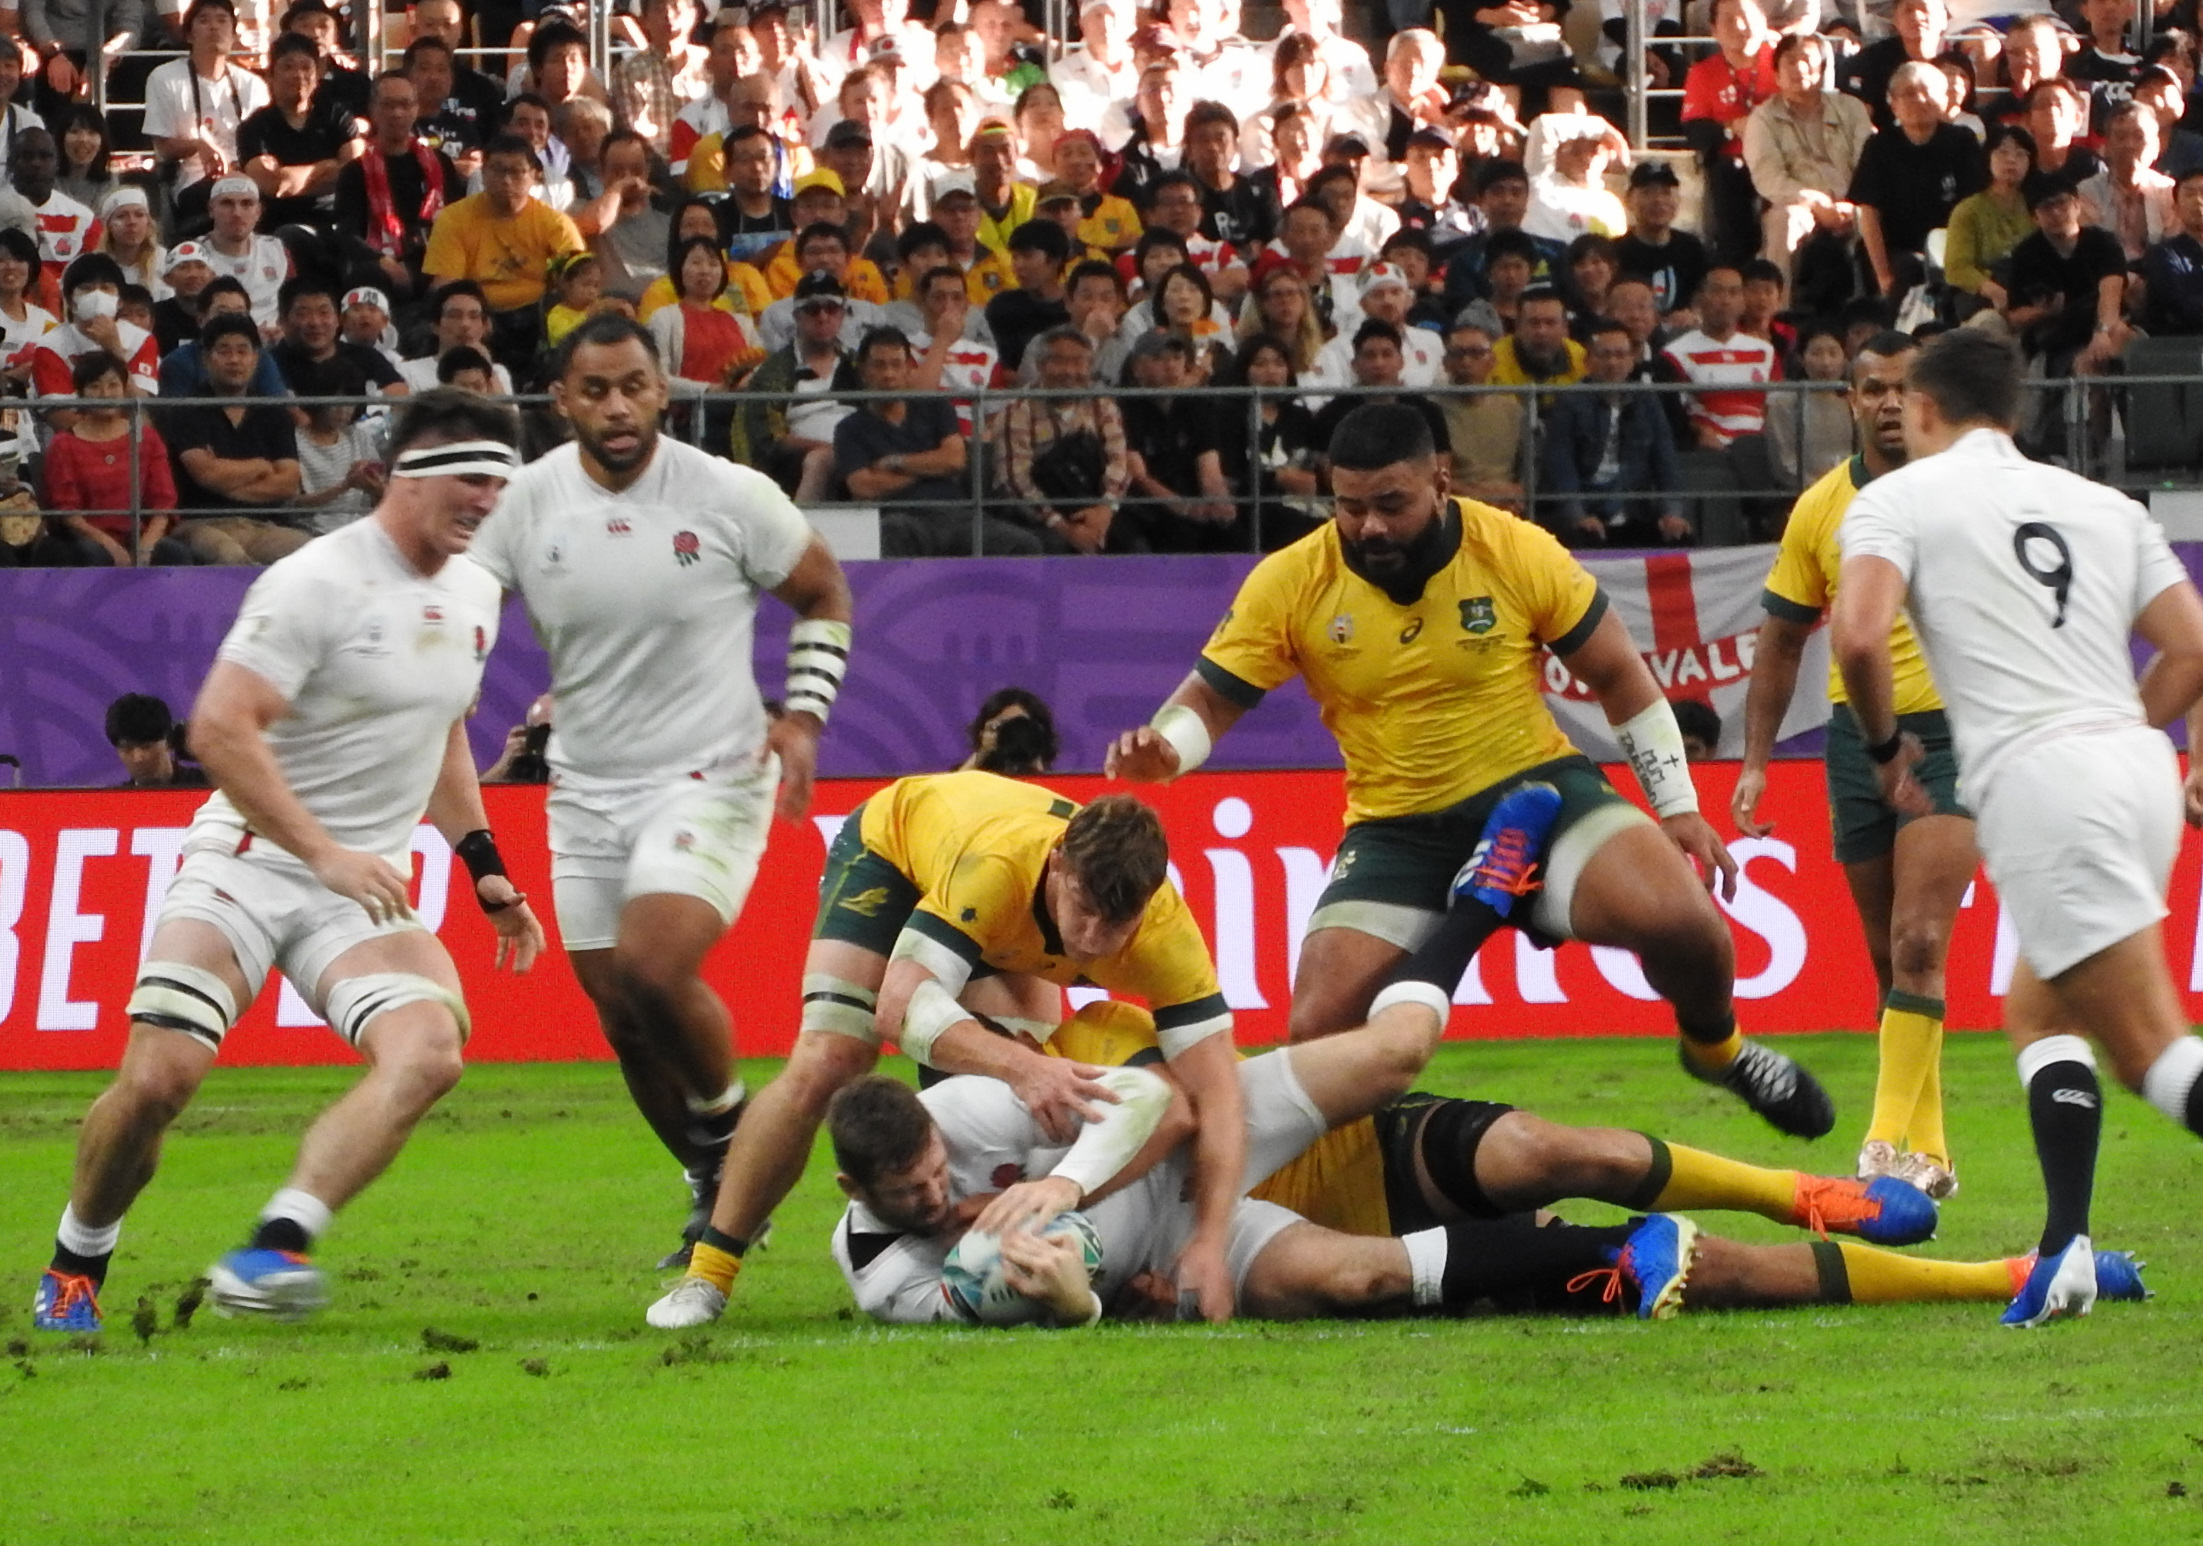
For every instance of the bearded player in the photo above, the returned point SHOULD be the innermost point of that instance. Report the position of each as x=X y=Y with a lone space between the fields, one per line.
x=1907 y=873
x=333 y=719
x=1418 y=622
x=641 y=561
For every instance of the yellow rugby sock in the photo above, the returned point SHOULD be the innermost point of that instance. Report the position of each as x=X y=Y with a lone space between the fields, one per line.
x=714 y=1266
x=1696 y=1179
x=1711 y=1057
x=1860 y=1274
x=1925 y=1135
x=1911 y=1046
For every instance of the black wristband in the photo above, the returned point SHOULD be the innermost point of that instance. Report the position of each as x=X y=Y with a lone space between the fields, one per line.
x=478 y=852
x=1885 y=751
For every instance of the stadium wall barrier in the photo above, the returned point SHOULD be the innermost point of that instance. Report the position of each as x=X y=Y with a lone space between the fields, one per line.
x=81 y=876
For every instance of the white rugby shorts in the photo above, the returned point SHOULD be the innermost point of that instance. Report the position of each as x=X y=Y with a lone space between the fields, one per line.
x=274 y=913
x=698 y=835
x=2079 y=836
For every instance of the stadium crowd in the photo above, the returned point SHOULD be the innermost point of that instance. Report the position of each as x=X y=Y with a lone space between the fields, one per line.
x=839 y=238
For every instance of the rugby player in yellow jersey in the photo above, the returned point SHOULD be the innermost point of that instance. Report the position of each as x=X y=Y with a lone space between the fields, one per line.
x=1418 y=623
x=1907 y=873
x=937 y=889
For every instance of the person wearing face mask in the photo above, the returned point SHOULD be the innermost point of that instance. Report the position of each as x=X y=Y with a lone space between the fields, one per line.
x=91 y=289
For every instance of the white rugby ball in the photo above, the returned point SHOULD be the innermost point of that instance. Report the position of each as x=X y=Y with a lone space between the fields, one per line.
x=973 y=1280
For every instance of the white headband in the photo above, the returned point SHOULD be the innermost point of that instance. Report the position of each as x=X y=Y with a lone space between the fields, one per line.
x=458 y=459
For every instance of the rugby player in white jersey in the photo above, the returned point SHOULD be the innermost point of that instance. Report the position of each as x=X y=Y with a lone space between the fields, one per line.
x=641 y=560
x=332 y=721
x=2025 y=583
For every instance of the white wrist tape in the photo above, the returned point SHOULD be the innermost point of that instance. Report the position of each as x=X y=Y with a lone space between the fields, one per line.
x=1108 y=1143
x=818 y=658
x=927 y=1018
x=1653 y=744
x=1185 y=731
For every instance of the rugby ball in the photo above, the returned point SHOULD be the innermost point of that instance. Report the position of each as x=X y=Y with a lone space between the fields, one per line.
x=973 y=1280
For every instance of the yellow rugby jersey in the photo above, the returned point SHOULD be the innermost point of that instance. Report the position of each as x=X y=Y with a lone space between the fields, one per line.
x=1432 y=701
x=1338 y=1182
x=1802 y=585
x=974 y=845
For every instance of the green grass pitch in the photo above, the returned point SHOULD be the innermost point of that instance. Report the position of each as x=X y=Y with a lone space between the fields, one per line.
x=484 y=1374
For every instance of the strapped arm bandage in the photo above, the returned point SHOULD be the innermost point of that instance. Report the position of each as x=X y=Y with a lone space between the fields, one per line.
x=1653 y=743
x=927 y=1018
x=1107 y=1144
x=1186 y=732
x=818 y=658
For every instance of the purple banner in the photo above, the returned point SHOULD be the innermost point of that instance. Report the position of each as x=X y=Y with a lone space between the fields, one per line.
x=1103 y=640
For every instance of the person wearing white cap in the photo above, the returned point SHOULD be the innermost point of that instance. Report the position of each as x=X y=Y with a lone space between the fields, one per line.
x=233 y=247
x=127 y=234
x=1386 y=296
x=332 y=723
x=193 y=106
x=1570 y=197
x=364 y=319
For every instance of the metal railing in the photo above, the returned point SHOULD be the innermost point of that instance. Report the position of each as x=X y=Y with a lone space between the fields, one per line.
x=2093 y=444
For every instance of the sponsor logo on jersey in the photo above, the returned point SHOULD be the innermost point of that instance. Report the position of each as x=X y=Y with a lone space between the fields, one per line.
x=684 y=840
x=1414 y=627
x=1479 y=615
x=1342 y=629
x=618 y=526
x=686 y=548
x=865 y=904
x=432 y=614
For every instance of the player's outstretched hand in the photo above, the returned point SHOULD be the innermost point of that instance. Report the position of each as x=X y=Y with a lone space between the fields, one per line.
x=1901 y=791
x=1689 y=831
x=1206 y=1280
x=793 y=738
x=1751 y=787
x=368 y=880
x=1049 y=1269
x=1141 y=756
x=1061 y=1094
x=1028 y=1204
x=519 y=931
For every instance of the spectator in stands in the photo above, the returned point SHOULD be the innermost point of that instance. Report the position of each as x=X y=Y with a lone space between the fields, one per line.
x=1097 y=76
x=1539 y=351
x=792 y=440
x=1700 y=727
x=146 y=738
x=23 y=322
x=91 y=292
x=652 y=84
x=1308 y=233
x=574 y=283
x=1484 y=428
x=1630 y=301
x=88 y=482
x=127 y=235
x=340 y=468
x=1588 y=271
x=1183 y=504
x=1519 y=46
x=1718 y=96
x=2172 y=271
x=2057 y=116
x=1004 y=202
x=1038 y=253
x=1431 y=175
x=461 y=316
x=625 y=227
x=529 y=117
x=1364 y=223
x=1802 y=146
x=1673 y=262
x=183 y=370
x=503 y=239
x=1268 y=453
x=1157 y=143
x=194 y=106
x=700 y=339
x=363 y=318
x=2103 y=62
x=1240 y=212
x=1911 y=176
x=954 y=351
x=907 y=455
x=1985 y=226
x=445 y=118
x=468 y=368
x=294 y=147
x=1095 y=299
x=2034 y=50
x=341 y=78
x=1065 y=457
x=1377 y=365
x=1181 y=304
x=823 y=248
x=230 y=459
x=758 y=218
x=87 y=172
x=389 y=195
x=1511 y=264
x=1174 y=205
x=60 y=34
x=1917 y=27
x=1386 y=296
x=2129 y=197
x=1761 y=315
x=1726 y=367
x=1609 y=459
x=2161 y=91
x=1107 y=221
x=1038 y=116
x=234 y=248
x=177 y=315
x=310 y=323
x=1810 y=432
x=66 y=228
x=1571 y=197
x=1409 y=251
x=692 y=217
x=2066 y=296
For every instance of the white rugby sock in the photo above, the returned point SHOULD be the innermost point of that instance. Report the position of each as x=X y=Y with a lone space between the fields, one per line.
x=82 y=1239
x=304 y=1209
x=2170 y=1084
x=721 y=1104
x=1426 y=1259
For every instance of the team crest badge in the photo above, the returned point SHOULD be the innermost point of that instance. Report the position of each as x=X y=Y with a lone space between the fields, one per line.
x=481 y=643
x=1478 y=615
x=684 y=840
x=686 y=549
x=1342 y=629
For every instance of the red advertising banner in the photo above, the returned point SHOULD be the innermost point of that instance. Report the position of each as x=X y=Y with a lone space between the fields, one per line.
x=82 y=874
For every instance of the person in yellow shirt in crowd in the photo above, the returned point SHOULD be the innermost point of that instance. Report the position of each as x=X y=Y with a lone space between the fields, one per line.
x=1105 y=220
x=987 y=273
x=819 y=200
x=745 y=293
x=1004 y=202
x=1908 y=874
x=953 y=896
x=503 y=239
x=1539 y=351
x=1419 y=623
